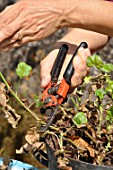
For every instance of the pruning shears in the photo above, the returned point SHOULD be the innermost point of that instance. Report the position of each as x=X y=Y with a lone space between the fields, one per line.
x=54 y=94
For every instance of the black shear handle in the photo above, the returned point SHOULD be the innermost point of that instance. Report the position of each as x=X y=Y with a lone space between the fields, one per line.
x=70 y=69
x=58 y=63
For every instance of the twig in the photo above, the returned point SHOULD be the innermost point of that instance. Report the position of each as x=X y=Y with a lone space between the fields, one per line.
x=90 y=136
x=22 y=104
x=70 y=141
x=17 y=98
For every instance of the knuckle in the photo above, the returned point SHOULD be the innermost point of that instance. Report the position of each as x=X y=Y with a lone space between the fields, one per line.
x=79 y=81
x=7 y=7
x=76 y=82
x=22 y=10
x=84 y=74
x=6 y=31
x=22 y=5
x=83 y=68
x=42 y=62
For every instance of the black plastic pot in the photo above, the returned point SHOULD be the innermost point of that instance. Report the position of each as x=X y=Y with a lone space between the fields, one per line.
x=76 y=165
x=79 y=165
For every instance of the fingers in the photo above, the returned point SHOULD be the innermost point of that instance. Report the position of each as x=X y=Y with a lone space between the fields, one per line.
x=79 y=63
x=9 y=30
x=10 y=21
x=5 y=18
x=80 y=66
x=45 y=68
x=16 y=41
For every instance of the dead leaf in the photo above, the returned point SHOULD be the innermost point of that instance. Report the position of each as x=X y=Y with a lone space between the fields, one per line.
x=32 y=144
x=32 y=136
x=26 y=148
x=38 y=145
x=62 y=163
x=80 y=143
x=3 y=97
x=5 y=164
x=9 y=113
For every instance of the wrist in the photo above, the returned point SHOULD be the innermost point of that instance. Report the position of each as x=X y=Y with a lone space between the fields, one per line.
x=71 y=13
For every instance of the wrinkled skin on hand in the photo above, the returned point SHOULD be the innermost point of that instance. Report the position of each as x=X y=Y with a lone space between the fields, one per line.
x=28 y=20
x=79 y=64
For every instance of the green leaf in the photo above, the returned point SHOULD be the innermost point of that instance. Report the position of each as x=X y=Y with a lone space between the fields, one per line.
x=90 y=62
x=98 y=61
x=109 y=87
x=108 y=146
x=95 y=60
x=107 y=68
x=109 y=116
x=79 y=119
x=37 y=101
x=100 y=93
x=112 y=96
x=87 y=79
x=23 y=69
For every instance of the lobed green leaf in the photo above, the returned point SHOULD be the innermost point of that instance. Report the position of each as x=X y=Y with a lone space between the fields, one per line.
x=23 y=69
x=100 y=93
x=80 y=118
x=37 y=101
x=95 y=60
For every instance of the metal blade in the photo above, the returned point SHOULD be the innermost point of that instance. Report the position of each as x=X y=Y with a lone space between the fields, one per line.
x=52 y=116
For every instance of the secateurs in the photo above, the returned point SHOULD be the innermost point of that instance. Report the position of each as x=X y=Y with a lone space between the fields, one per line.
x=54 y=94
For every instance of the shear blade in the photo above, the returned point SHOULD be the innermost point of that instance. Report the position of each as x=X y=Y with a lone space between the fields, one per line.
x=52 y=115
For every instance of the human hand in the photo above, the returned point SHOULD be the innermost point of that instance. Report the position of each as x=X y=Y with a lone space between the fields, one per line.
x=79 y=64
x=27 y=21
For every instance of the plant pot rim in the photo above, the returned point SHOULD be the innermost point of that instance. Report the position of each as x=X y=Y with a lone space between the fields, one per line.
x=75 y=164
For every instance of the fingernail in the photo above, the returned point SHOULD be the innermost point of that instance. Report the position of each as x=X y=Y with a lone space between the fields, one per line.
x=43 y=82
x=81 y=51
x=73 y=84
x=88 y=52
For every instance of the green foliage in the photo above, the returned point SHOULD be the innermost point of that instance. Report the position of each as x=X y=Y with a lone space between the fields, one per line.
x=108 y=146
x=23 y=69
x=37 y=101
x=109 y=87
x=100 y=93
x=87 y=79
x=107 y=68
x=109 y=116
x=96 y=61
x=80 y=119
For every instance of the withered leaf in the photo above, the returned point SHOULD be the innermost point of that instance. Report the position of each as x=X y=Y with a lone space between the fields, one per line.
x=33 y=142
x=26 y=148
x=8 y=112
x=32 y=136
x=5 y=164
x=80 y=143
x=62 y=163
x=3 y=97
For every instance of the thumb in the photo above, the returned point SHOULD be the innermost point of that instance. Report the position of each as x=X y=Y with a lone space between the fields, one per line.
x=45 y=69
x=45 y=81
x=46 y=66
